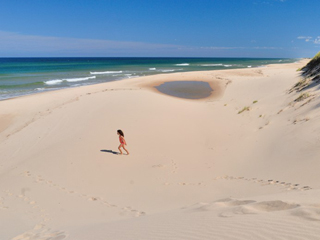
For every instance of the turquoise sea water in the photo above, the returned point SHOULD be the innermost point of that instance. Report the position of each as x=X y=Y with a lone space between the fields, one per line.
x=22 y=76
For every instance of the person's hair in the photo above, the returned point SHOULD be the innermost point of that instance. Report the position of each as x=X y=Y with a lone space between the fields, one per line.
x=120 y=132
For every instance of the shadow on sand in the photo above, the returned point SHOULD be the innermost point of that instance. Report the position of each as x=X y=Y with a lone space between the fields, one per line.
x=109 y=151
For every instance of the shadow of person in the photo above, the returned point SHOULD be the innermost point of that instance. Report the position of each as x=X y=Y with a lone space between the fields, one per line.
x=109 y=151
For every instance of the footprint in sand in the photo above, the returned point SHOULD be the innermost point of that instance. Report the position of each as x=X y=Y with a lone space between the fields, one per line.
x=140 y=214
x=174 y=166
x=305 y=188
x=159 y=166
x=189 y=184
x=26 y=173
x=2 y=206
x=99 y=200
x=106 y=203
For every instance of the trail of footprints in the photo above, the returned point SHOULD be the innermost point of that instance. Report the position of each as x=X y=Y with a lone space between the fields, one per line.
x=173 y=170
x=2 y=204
x=123 y=210
x=40 y=115
x=287 y=186
x=173 y=166
x=34 y=208
x=40 y=230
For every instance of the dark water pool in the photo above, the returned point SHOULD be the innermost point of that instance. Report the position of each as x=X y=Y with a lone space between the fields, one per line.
x=186 y=89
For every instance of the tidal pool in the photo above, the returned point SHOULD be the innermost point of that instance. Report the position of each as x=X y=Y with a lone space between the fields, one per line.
x=186 y=89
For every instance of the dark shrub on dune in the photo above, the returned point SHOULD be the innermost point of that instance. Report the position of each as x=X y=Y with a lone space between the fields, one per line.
x=312 y=69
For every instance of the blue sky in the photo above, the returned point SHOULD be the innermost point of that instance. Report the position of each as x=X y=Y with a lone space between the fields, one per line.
x=159 y=28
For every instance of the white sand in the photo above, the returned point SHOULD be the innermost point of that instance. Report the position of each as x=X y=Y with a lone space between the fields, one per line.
x=197 y=169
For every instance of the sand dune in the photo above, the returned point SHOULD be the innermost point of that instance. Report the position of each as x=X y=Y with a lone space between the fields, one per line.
x=239 y=164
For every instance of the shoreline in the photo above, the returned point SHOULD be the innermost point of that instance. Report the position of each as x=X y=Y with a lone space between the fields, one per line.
x=122 y=72
x=199 y=164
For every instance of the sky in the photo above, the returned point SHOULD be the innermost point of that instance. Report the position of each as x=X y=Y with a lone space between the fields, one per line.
x=160 y=28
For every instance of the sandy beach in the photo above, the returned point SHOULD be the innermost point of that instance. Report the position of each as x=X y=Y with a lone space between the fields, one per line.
x=242 y=163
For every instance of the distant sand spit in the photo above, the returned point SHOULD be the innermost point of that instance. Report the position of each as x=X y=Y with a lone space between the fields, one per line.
x=241 y=163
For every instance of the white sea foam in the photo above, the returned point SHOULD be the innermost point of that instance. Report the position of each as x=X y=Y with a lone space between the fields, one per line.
x=78 y=79
x=249 y=66
x=107 y=72
x=134 y=76
x=168 y=70
x=211 y=65
x=152 y=69
x=53 y=82
x=183 y=64
x=227 y=65
x=59 y=81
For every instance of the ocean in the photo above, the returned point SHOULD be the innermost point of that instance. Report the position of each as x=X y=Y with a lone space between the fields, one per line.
x=23 y=76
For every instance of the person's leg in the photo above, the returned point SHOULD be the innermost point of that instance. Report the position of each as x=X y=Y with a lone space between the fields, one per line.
x=125 y=149
x=120 y=148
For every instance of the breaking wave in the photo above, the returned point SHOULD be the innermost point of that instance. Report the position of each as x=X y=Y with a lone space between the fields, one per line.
x=59 y=81
x=107 y=72
x=211 y=65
